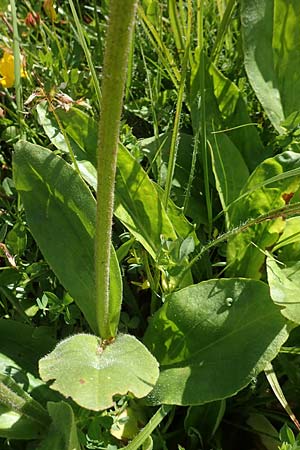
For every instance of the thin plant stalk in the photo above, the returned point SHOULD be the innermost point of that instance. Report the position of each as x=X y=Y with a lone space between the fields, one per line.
x=87 y=53
x=174 y=138
x=203 y=142
x=118 y=42
x=187 y=194
x=276 y=388
x=17 y=65
x=154 y=119
x=163 y=52
x=149 y=428
x=222 y=30
x=129 y=69
x=97 y=23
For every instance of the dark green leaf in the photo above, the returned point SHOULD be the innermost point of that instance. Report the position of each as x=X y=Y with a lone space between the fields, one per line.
x=205 y=339
x=61 y=213
x=24 y=344
x=62 y=433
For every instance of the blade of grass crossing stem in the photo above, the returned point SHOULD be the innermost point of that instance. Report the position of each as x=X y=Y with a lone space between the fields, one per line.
x=153 y=423
x=289 y=209
x=87 y=53
x=174 y=138
x=276 y=388
x=204 y=151
x=17 y=66
x=118 y=42
x=222 y=30
x=282 y=176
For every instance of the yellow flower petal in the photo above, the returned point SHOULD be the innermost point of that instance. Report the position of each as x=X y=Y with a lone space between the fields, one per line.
x=7 y=70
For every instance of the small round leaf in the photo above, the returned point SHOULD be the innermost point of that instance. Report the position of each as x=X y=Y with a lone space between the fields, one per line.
x=91 y=371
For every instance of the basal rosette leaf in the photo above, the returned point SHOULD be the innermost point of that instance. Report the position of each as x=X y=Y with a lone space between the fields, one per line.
x=92 y=371
x=205 y=338
x=61 y=213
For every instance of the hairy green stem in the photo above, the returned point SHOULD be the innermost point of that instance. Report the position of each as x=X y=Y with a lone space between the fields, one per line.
x=20 y=402
x=118 y=41
x=149 y=428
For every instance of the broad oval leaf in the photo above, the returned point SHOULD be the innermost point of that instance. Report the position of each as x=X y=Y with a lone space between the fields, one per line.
x=205 y=338
x=61 y=213
x=92 y=371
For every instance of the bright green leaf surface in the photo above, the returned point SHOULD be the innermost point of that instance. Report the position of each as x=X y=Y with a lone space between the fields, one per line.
x=195 y=209
x=290 y=235
x=137 y=202
x=205 y=339
x=61 y=213
x=284 y=282
x=62 y=432
x=78 y=126
x=92 y=374
x=235 y=120
x=138 y=205
x=271 y=32
x=50 y=127
x=230 y=170
x=226 y=109
x=244 y=258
